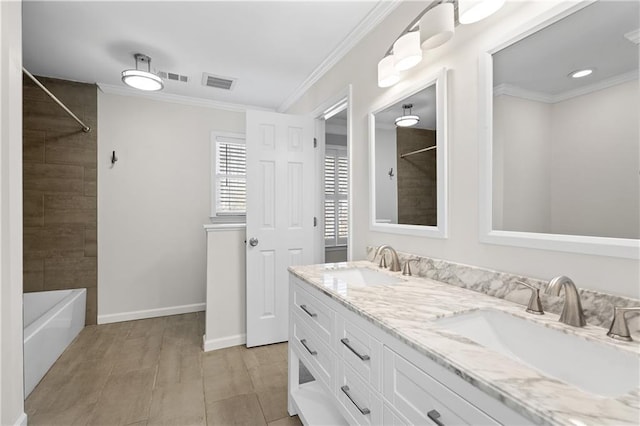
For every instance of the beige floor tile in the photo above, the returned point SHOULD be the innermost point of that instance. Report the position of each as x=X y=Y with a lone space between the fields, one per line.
x=76 y=415
x=287 y=421
x=126 y=398
x=239 y=410
x=273 y=404
x=216 y=363
x=142 y=423
x=269 y=377
x=262 y=355
x=179 y=404
x=225 y=385
x=137 y=353
x=147 y=327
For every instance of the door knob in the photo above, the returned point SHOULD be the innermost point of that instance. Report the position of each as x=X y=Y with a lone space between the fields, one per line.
x=253 y=242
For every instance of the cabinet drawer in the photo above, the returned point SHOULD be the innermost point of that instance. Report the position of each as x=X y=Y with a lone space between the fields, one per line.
x=360 y=404
x=390 y=417
x=319 y=317
x=420 y=398
x=313 y=352
x=360 y=351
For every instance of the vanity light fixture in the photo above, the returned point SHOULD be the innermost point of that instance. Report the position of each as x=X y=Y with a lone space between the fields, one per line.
x=471 y=11
x=437 y=26
x=406 y=51
x=407 y=120
x=142 y=80
x=581 y=73
x=387 y=74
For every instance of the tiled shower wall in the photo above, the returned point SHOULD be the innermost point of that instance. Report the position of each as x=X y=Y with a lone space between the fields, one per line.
x=417 y=188
x=59 y=172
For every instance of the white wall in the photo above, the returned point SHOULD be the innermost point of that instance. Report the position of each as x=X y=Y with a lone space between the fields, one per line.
x=595 y=162
x=152 y=204
x=11 y=379
x=460 y=55
x=522 y=158
x=226 y=287
x=386 y=188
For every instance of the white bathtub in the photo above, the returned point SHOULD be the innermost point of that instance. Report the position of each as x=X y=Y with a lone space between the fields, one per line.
x=52 y=319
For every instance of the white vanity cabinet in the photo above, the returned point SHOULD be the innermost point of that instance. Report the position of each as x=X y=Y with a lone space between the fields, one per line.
x=365 y=376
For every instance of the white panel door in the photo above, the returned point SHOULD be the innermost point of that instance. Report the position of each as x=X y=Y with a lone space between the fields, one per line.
x=280 y=226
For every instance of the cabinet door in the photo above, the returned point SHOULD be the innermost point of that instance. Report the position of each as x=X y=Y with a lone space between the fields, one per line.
x=360 y=351
x=358 y=402
x=422 y=399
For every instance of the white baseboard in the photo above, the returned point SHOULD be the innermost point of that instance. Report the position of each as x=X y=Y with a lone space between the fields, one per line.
x=22 y=420
x=151 y=313
x=224 y=342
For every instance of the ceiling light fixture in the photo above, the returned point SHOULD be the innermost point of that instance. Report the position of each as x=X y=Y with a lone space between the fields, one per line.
x=407 y=51
x=437 y=26
x=407 y=120
x=581 y=73
x=471 y=11
x=387 y=74
x=142 y=80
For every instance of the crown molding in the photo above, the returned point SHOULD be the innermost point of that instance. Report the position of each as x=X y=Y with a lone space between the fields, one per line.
x=518 y=92
x=177 y=99
x=368 y=23
x=600 y=85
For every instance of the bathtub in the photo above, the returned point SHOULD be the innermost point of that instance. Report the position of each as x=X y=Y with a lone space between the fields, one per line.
x=52 y=319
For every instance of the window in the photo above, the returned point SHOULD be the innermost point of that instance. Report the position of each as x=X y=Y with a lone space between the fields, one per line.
x=229 y=176
x=336 y=203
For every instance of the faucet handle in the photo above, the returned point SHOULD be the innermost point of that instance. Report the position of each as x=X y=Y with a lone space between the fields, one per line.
x=534 y=306
x=619 y=329
x=383 y=261
x=406 y=269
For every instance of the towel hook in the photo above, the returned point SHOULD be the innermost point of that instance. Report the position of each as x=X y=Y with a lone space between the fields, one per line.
x=113 y=158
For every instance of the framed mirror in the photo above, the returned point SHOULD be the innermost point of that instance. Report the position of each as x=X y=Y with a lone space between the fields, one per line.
x=560 y=163
x=408 y=161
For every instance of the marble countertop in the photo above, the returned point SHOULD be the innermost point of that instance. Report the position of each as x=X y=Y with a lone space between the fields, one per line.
x=408 y=309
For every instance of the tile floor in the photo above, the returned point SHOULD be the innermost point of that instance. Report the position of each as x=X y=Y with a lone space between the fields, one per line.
x=153 y=372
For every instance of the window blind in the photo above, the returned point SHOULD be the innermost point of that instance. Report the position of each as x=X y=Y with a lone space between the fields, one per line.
x=231 y=178
x=336 y=189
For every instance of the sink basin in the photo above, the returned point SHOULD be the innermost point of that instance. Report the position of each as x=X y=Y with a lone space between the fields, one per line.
x=591 y=366
x=359 y=277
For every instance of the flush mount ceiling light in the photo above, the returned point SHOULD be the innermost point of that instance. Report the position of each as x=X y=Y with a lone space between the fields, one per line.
x=581 y=73
x=387 y=74
x=407 y=120
x=142 y=80
x=407 y=51
x=437 y=26
x=470 y=11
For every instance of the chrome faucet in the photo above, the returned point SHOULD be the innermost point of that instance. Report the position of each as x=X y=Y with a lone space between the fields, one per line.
x=619 y=329
x=395 y=262
x=572 y=313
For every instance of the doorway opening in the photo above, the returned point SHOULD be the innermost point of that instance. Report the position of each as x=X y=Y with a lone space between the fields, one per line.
x=336 y=184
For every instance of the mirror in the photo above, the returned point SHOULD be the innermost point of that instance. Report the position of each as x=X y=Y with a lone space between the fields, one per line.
x=564 y=149
x=408 y=167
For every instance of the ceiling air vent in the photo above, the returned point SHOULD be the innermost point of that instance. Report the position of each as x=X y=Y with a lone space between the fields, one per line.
x=224 y=83
x=173 y=76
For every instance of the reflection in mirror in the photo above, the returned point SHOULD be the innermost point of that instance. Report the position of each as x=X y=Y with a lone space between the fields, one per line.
x=566 y=150
x=405 y=163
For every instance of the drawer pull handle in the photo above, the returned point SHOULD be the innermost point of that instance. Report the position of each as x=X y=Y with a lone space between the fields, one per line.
x=345 y=342
x=345 y=389
x=311 y=314
x=434 y=415
x=304 y=343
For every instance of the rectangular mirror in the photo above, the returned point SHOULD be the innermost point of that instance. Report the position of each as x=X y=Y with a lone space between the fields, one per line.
x=563 y=144
x=407 y=142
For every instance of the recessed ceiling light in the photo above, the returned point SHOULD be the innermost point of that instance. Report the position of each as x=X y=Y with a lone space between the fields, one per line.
x=581 y=73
